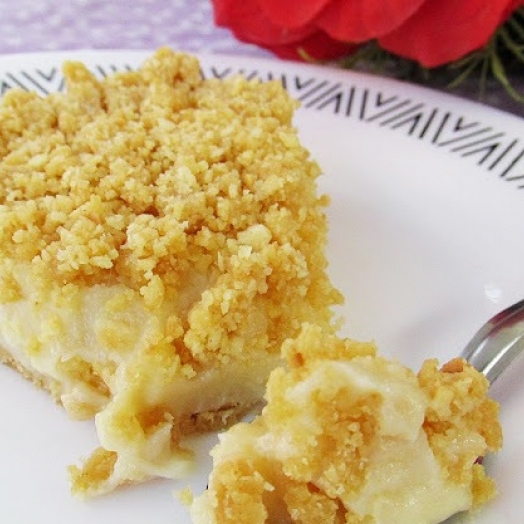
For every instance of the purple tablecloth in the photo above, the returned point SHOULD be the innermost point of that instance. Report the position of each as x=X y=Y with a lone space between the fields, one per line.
x=47 y=25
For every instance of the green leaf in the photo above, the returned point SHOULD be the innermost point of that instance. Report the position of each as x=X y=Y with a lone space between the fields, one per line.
x=499 y=72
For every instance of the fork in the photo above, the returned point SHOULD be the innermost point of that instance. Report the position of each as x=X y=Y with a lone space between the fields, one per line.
x=498 y=342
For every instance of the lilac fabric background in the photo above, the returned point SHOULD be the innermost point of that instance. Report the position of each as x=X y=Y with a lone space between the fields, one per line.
x=48 y=25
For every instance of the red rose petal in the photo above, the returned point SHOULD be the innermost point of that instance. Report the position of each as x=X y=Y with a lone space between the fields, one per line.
x=250 y=24
x=361 y=20
x=317 y=46
x=435 y=35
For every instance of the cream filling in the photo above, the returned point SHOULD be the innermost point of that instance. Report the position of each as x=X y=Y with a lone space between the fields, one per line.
x=108 y=327
x=404 y=482
x=210 y=391
x=44 y=337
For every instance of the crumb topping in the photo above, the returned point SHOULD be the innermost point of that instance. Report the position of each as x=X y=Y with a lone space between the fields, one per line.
x=157 y=177
x=459 y=422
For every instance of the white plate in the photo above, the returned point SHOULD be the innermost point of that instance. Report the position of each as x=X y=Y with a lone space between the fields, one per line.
x=426 y=242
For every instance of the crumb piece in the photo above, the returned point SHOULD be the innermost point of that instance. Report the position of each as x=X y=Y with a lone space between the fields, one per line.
x=185 y=496
x=97 y=470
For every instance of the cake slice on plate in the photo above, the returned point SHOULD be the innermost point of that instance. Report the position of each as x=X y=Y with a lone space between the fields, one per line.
x=161 y=236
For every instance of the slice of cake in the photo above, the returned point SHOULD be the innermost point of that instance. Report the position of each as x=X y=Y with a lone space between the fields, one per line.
x=161 y=236
x=349 y=437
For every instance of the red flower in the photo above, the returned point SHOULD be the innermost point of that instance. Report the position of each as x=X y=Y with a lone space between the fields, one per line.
x=432 y=32
x=250 y=23
x=435 y=35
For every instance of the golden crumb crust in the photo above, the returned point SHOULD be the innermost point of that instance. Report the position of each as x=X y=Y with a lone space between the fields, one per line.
x=156 y=225
x=147 y=178
x=325 y=451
